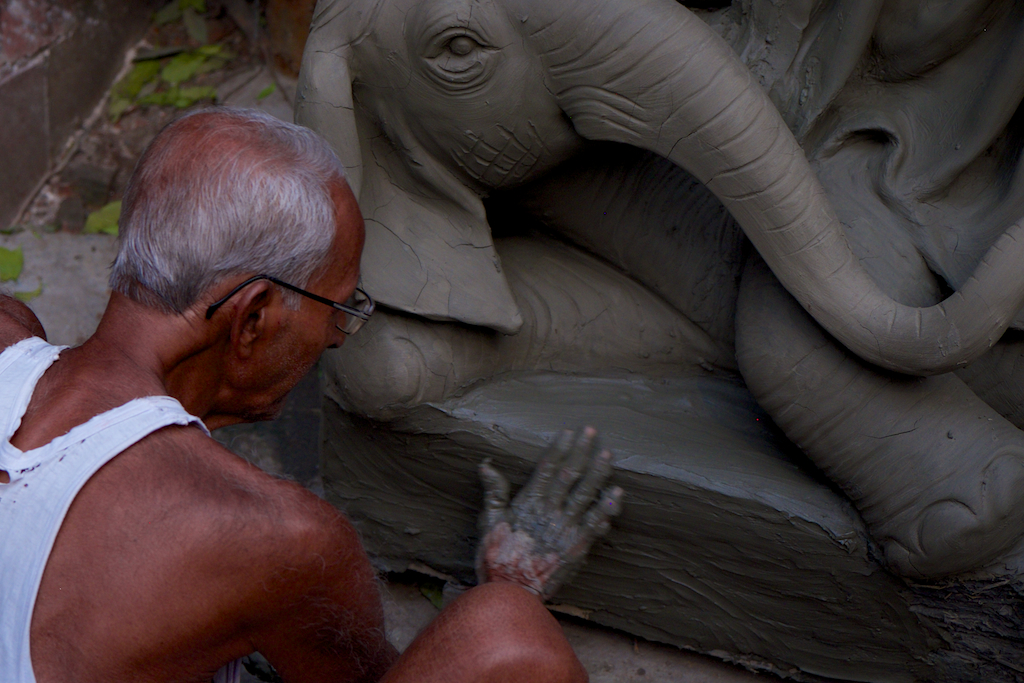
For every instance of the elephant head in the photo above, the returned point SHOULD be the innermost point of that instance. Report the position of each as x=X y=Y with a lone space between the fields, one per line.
x=431 y=104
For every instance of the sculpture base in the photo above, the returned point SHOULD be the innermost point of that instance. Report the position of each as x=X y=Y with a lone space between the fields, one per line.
x=729 y=544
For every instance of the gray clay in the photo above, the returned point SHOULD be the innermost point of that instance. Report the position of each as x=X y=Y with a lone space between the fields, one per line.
x=541 y=538
x=868 y=150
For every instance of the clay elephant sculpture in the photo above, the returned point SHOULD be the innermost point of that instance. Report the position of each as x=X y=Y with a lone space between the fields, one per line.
x=435 y=105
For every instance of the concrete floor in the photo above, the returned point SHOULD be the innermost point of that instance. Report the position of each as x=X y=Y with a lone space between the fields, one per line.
x=609 y=656
x=72 y=271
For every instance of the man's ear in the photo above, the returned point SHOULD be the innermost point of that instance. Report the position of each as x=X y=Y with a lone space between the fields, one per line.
x=250 y=317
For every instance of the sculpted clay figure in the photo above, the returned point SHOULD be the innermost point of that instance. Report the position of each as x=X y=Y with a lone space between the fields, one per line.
x=454 y=100
x=870 y=319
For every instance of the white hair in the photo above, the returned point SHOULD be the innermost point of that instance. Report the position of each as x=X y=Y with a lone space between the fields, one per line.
x=225 y=191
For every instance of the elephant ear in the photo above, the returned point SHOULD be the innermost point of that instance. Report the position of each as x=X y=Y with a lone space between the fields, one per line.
x=428 y=248
x=428 y=244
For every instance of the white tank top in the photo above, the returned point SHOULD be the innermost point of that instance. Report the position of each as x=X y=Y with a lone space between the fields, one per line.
x=45 y=480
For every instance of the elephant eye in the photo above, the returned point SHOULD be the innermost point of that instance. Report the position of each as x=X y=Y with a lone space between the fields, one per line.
x=462 y=45
x=458 y=59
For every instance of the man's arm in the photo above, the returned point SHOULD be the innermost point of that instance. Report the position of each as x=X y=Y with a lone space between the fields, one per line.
x=336 y=630
x=323 y=618
x=317 y=612
x=17 y=322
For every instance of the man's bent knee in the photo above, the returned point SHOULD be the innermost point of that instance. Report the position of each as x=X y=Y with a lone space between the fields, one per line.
x=525 y=642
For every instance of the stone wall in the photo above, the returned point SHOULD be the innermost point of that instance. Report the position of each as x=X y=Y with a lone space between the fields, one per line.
x=57 y=58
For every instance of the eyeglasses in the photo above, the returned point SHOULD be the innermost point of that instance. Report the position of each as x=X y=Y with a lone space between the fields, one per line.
x=357 y=309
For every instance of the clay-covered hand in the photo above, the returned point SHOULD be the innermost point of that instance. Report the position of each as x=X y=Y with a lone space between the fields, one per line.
x=542 y=538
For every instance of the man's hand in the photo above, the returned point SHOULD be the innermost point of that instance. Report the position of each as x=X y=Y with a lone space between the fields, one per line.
x=543 y=537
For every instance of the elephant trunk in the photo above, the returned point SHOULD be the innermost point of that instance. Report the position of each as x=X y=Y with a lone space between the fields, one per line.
x=649 y=73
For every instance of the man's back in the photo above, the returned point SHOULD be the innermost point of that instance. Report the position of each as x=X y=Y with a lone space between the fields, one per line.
x=196 y=557
x=176 y=549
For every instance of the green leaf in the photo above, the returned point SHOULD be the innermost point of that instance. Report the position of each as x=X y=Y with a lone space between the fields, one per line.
x=197 y=5
x=199 y=92
x=434 y=594
x=158 y=52
x=182 y=67
x=162 y=98
x=28 y=296
x=104 y=220
x=266 y=92
x=210 y=50
x=195 y=25
x=118 y=105
x=159 y=99
x=211 y=64
x=149 y=88
x=141 y=74
x=170 y=12
x=182 y=97
x=11 y=263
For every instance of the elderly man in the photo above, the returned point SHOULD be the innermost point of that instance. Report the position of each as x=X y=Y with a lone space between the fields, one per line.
x=134 y=548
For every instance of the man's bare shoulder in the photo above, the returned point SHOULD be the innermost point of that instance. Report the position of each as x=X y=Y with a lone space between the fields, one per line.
x=179 y=542
x=265 y=545
x=17 y=322
x=230 y=499
x=191 y=507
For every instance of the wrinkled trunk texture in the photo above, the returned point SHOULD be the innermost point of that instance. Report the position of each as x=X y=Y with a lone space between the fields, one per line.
x=651 y=74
